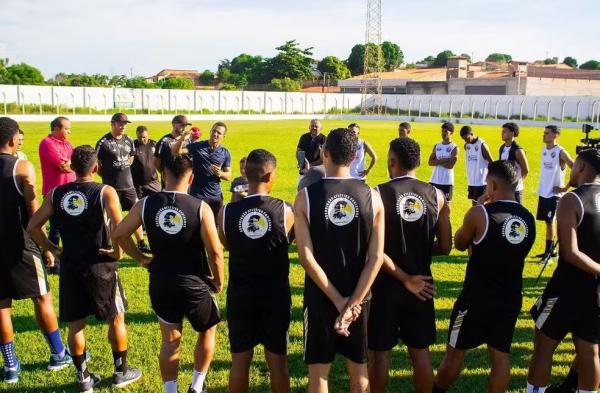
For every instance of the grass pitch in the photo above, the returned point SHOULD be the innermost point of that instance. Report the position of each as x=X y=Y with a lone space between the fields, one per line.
x=280 y=137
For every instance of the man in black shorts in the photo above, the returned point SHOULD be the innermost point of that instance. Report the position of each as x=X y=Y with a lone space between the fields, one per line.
x=115 y=155
x=341 y=252
x=569 y=304
x=89 y=281
x=22 y=273
x=256 y=230
x=185 y=272
x=416 y=213
x=500 y=234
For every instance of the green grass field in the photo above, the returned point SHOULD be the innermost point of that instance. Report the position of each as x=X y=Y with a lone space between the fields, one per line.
x=280 y=137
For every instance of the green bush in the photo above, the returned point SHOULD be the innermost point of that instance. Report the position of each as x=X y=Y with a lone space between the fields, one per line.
x=284 y=84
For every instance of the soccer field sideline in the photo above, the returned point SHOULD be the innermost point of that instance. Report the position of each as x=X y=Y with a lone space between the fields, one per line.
x=280 y=138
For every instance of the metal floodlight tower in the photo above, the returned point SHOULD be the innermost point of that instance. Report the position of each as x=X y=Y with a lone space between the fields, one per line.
x=373 y=65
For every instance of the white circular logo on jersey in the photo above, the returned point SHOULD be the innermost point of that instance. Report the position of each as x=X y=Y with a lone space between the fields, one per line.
x=514 y=230
x=255 y=223
x=74 y=203
x=411 y=207
x=341 y=210
x=171 y=220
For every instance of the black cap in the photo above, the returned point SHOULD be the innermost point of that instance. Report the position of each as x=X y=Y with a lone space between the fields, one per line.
x=119 y=117
x=181 y=119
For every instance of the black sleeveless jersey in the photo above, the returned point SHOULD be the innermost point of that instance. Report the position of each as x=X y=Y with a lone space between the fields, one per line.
x=340 y=212
x=411 y=215
x=172 y=221
x=82 y=224
x=512 y=153
x=495 y=268
x=13 y=214
x=588 y=241
x=258 y=244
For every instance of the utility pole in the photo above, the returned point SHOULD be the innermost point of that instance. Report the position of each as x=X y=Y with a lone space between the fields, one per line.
x=373 y=64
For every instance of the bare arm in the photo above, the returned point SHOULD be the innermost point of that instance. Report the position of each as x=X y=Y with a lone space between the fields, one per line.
x=568 y=216
x=485 y=152
x=221 y=229
x=210 y=239
x=289 y=223
x=432 y=160
x=472 y=228
x=443 y=228
x=121 y=235
x=177 y=147
x=36 y=225
x=416 y=284
x=449 y=162
x=522 y=161
x=565 y=159
x=26 y=174
x=371 y=153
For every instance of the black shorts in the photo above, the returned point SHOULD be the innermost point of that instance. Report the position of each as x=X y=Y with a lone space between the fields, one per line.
x=253 y=320
x=474 y=192
x=97 y=291
x=546 y=210
x=175 y=297
x=24 y=279
x=473 y=324
x=446 y=189
x=127 y=198
x=215 y=205
x=519 y=197
x=321 y=342
x=560 y=310
x=397 y=314
x=145 y=190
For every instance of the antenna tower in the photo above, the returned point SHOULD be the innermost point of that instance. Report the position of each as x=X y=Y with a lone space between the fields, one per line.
x=373 y=66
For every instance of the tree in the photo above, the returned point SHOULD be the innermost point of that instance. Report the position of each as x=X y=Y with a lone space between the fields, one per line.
x=468 y=56
x=499 y=58
x=442 y=58
x=138 y=82
x=118 y=80
x=551 y=60
x=570 y=61
x=429 y=60
x=356 y=60
x=284 y=84
x=393 y=56
x=590 y=65
x=207 y=77
x=176 y=83
x=334 y=67
x=21 y=74
x=291 y=62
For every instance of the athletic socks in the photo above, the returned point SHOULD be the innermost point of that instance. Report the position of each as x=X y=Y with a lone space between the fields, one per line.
x=535 y=389
x=120 y=359
x=171 y=387
x=9 y=355
x=198 y=380
x=438 y=390
x=55 y=343
x=81 y=366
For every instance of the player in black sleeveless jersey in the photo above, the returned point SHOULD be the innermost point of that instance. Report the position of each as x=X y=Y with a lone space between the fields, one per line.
x=500 y=233
x=89 y=281
x=185 y=271
x=256 y=231
x=512 y=151
x=416 y=213
x=569 y=304
x=22 y=273
x=339 y=227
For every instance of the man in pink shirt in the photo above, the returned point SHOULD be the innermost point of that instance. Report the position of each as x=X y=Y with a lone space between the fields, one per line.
x=55 y=159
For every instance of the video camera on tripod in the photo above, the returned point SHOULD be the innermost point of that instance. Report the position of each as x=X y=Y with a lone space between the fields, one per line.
x=587 y=141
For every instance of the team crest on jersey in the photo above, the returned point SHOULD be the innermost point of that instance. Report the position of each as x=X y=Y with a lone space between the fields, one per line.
x=468 y=147
x=74 y=203
x=448 y=149
x=254 y=223
x=171 y=220
x=514 y=230
x=476 y=148
x=341 y=209
x=553 y=154
x=411 y=207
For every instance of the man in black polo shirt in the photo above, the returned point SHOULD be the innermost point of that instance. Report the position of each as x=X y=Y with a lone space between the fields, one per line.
x=309 y=148
x=115 y=154
x=164 y=144
x=145 y=178
x=212 y=163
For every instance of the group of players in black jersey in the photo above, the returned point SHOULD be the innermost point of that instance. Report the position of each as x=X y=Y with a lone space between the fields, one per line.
x=366 y=253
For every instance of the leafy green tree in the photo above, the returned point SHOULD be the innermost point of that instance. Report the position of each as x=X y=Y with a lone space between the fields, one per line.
x=207 y=77
x=291 y=62
x=429 y=60
x=590 y=65
x=228 y=87
x=570 y=61
x=393 y=56
x=334 y=67
x=21 y=74
x=442 y=58
x=176 y=83
x=118 y=80
x=551 y=60
x=284 y=84
x=356 y=60
x=138 y=82
x=499 y=58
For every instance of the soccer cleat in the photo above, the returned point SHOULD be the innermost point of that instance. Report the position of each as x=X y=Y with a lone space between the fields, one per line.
x=11 y=375
x=58 y=363
x=144 y=248
x=204 y=389
x=123 y=378
x=88 y=385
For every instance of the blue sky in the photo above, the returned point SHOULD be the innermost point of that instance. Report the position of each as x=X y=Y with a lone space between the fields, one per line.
x=115 y=36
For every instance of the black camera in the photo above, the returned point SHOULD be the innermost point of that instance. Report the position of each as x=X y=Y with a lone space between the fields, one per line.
x=587 y=141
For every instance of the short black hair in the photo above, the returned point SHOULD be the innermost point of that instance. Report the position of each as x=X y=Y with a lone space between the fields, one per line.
x=141 y=129
x=57 y=123
x=512 y=127
x=243 y=159
x=352 y=125
x=404 y=125
x=341 y=144
x=219 y=124
x=256 y=163
x=505 y=171
x=83 y=159
x=448 y=127
x=592 y=157
x=407 y=151
x=8 y=129
x=178 y=165
x=465 y=130
x=553 y=129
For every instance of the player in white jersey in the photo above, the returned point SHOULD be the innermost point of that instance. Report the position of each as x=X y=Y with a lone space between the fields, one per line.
x=443 y=158
x=554 y=161
x=358 y=166
x=478 y=157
